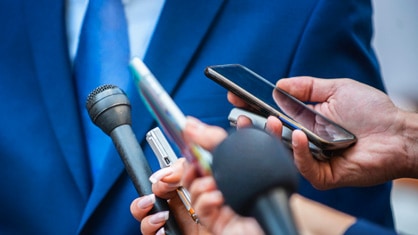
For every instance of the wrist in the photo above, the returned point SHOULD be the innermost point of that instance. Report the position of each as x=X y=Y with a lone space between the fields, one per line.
x=330 y=221
x=409 y=137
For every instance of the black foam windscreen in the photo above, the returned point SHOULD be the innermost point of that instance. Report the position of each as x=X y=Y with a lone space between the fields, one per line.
x=108 y=107
x=250 y=162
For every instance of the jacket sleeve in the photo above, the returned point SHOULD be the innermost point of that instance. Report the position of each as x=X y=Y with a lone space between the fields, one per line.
x=364 y=227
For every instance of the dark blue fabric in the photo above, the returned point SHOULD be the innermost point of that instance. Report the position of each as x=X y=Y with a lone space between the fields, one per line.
x=363 y=227
x=46 y=188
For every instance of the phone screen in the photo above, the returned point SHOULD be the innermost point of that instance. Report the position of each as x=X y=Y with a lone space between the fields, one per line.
x=269 y=100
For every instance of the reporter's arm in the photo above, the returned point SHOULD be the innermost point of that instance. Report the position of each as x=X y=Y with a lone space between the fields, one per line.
x=314 y=218
x=364 y=227
x=410 y=139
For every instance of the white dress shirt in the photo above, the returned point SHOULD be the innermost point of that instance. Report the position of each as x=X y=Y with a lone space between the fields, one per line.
x=142 y=17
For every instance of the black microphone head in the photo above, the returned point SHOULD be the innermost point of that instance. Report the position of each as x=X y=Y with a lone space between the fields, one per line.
x=250 y=162
x=108 y=107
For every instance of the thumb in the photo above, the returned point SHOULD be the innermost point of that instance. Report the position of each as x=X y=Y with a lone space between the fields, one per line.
x=309 y=88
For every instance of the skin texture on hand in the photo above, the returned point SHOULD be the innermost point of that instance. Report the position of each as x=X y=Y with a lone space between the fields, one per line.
x=207 y=200
x=381 y=152
x=358 y=108
x=215 y=217
x=314 y=218
x=165 y=183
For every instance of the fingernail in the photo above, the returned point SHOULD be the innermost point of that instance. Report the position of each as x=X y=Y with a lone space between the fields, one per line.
x=267 y=128
x=160 y=231
x=146 y=201
x=173 y=185
x=158 y=175
x=159 y=217
x=295 y=142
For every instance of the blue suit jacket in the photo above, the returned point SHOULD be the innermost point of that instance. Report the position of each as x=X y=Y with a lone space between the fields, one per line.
x=44 y=177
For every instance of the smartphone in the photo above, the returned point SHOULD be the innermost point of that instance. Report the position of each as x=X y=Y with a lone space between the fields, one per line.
x=264 y=97
x=168 y=115
x=260 y=122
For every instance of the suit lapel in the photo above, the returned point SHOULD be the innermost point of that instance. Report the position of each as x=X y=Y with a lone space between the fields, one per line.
x=175 y=41
x=177 y=38
x=173 y=45
x=46 y=29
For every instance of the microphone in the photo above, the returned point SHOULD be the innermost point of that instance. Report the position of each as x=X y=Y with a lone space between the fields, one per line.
x=109 y=109
x=254 y=172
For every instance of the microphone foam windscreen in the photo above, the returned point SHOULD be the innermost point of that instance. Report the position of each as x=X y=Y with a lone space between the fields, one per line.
x=250 y=162
x=108 y=107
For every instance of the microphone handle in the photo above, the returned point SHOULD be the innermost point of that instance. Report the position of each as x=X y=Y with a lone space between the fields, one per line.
x=273 y=213
x=139 y=171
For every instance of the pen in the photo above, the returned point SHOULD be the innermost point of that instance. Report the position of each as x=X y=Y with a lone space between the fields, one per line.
x=166 y=157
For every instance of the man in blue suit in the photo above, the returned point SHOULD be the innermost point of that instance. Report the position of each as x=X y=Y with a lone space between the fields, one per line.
x=47 y=187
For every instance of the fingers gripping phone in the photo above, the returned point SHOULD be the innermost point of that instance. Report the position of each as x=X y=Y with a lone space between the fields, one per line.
x=267 y=99
x=168 y=115
x=260 y=122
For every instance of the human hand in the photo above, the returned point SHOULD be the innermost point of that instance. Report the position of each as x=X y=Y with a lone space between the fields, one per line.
x=363 y=110
x=165 y=184
x=207 y=200
x=167 y=180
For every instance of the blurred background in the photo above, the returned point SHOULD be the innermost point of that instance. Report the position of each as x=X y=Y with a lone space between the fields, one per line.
x=396 y=45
